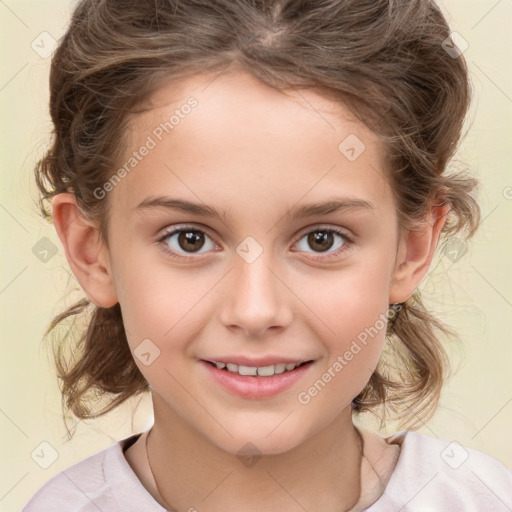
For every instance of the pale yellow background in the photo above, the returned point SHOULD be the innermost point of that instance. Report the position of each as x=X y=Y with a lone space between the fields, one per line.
x=474 y=294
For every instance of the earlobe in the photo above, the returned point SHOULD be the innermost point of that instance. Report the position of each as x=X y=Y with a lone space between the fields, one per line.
x=415 y=253
x=86 y=254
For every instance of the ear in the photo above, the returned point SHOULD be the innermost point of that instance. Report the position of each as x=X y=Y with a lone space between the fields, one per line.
x=86 y=254
x=415 y=253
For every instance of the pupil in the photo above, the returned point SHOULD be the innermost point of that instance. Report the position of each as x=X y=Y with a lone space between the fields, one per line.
x=192 y=238
x=322 y=239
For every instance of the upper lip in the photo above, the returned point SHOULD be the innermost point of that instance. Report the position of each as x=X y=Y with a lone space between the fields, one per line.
x=260 y=361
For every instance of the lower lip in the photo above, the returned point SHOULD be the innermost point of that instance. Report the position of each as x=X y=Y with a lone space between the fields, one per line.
x=256 y=387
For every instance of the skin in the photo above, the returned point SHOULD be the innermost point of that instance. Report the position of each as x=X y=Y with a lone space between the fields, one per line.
x=255 y=153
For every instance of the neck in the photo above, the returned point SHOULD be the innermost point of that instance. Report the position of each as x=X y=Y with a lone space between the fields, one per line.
x=190 y=472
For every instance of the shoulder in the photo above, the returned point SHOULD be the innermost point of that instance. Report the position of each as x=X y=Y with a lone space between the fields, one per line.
x=70 y=489
x=95 y=483
x=444 y=475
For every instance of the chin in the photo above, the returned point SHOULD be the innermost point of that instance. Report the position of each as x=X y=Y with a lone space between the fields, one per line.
x=260 y=438
x=250 y=447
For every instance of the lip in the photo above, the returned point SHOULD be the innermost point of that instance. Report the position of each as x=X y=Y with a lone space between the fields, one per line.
x=256 y=387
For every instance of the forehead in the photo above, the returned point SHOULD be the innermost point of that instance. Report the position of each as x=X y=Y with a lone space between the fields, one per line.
x=222 y=136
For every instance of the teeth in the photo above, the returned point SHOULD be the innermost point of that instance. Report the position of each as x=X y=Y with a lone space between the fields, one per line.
x=280 y=368
x=263 y=371
x=247 y=370
x=266 y=371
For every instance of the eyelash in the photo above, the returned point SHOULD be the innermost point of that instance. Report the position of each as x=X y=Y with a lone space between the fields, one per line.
x=347 y=241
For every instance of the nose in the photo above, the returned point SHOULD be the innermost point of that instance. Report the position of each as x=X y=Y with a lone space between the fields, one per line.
x=257 y=299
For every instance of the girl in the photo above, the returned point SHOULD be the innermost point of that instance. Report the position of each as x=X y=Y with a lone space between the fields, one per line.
x=302 y=147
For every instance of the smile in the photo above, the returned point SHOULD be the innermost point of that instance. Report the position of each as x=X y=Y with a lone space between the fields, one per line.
x=262 y=371
x=256 y=382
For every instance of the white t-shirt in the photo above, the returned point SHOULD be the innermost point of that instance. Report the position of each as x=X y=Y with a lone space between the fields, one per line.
x=431 y=475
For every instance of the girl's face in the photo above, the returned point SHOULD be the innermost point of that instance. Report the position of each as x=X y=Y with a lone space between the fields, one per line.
x=258 y=275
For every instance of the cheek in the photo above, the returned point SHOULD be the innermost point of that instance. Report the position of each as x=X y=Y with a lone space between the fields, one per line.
x=352 y=317
x=352 y=299
x=156 y=300
x=353 y=354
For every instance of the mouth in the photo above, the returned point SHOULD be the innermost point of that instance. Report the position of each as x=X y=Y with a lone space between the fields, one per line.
x=257 y=380
x=267 y=370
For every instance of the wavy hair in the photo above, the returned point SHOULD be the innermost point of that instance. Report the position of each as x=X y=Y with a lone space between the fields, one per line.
x=385 y=60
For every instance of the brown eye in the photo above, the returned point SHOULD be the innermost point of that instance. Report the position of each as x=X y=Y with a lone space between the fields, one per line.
x=322 y=240
x=183 y=241
x=190 y=240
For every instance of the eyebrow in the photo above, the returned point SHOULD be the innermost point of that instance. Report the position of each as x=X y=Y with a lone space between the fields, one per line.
x=307 y=210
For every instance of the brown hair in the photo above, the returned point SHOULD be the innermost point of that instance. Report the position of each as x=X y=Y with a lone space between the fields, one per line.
x=384 y=59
